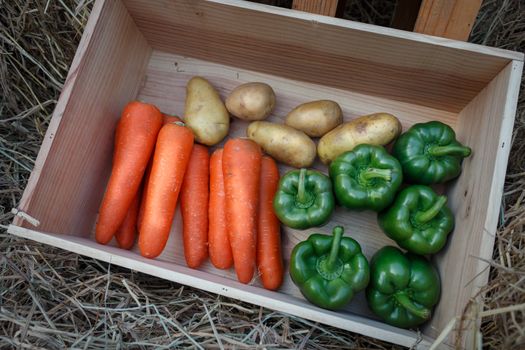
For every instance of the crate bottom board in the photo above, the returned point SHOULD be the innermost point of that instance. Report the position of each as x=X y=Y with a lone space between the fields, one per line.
x=165 y=86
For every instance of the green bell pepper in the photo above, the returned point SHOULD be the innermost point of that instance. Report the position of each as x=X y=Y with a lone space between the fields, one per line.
x=329 y=270
x=429 y=153
x=304 y=199
x=366 y=178
x=419 y=220
x=403 y=288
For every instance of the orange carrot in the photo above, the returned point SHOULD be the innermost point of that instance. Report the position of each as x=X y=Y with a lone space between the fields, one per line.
x=166 y=119
x=172 y=153
x=128 y=230
x=135 y=139
x=219 y=243
x=145 y=183
x=241 y=164
x=194 y=207
x=269 y=256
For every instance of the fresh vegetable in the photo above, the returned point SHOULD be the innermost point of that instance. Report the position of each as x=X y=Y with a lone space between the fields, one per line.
x=241 y=165
x=219 y=244
x=429 y=153
x=315 y=118
x=134 y=142
x=251 y=101
x=205 y=113
x=419 y=220
x=329 y=270
x=403 y=288
x=194 y=197
x=166 y=119
x=269 y=256
x=366 y=178
x=304 y=199
x=172 y=154
x=283 y=143
x=374 y=129
x=127 y=232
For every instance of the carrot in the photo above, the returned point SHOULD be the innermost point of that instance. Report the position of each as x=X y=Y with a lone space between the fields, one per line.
x=219 y=243
x=172 y=153
x=135 y=139
x=194 y=207
x=166 y=119
x=128 y=230
x=241 y=164
x=269 y=257
x=145 y=183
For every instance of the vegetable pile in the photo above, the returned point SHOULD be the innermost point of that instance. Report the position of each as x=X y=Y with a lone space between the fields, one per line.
x=234 y=201
x=226 y=200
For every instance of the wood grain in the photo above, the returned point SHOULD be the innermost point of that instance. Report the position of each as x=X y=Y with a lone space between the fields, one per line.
x=321 y=7
x=318 y=49
x=451 y=19
x=105 y=74
x=475 y=198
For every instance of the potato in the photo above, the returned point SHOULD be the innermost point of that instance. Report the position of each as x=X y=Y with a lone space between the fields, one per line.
x=204 y=112
x=251 y=101
x=284 y=143
x=315 y=118
x=373 y=129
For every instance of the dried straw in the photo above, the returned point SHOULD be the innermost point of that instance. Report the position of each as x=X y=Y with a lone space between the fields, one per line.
x=52 y=299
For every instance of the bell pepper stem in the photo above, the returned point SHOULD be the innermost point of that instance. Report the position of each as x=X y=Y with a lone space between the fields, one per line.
x=430 y=213
x=337 y=234
x=301 y=195
x=407 y=303
x=375 y=173
x=437 y=151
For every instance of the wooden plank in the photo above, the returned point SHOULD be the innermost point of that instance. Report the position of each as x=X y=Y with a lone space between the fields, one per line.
x=227 y=287
x=320 y=7
x=451 y=19
x=348 y=27
x=105 y=74
x=318 y=49
x=405 y=14
x=485 y=125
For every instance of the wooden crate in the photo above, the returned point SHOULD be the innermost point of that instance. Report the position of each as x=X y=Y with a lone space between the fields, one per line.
x=147 y=50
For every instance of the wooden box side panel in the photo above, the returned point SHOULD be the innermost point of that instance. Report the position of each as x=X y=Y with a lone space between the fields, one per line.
x=310 y=48
x=486 y=126
x=68 y=181
x=227 y=287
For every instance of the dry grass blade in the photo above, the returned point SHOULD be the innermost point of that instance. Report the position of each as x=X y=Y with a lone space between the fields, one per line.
x=51 y=299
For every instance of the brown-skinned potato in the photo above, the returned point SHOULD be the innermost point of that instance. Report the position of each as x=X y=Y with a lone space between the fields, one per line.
x=284 y=143
x=251 y=101
x=374 y=129
x=315 y=118
x=205 y=113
